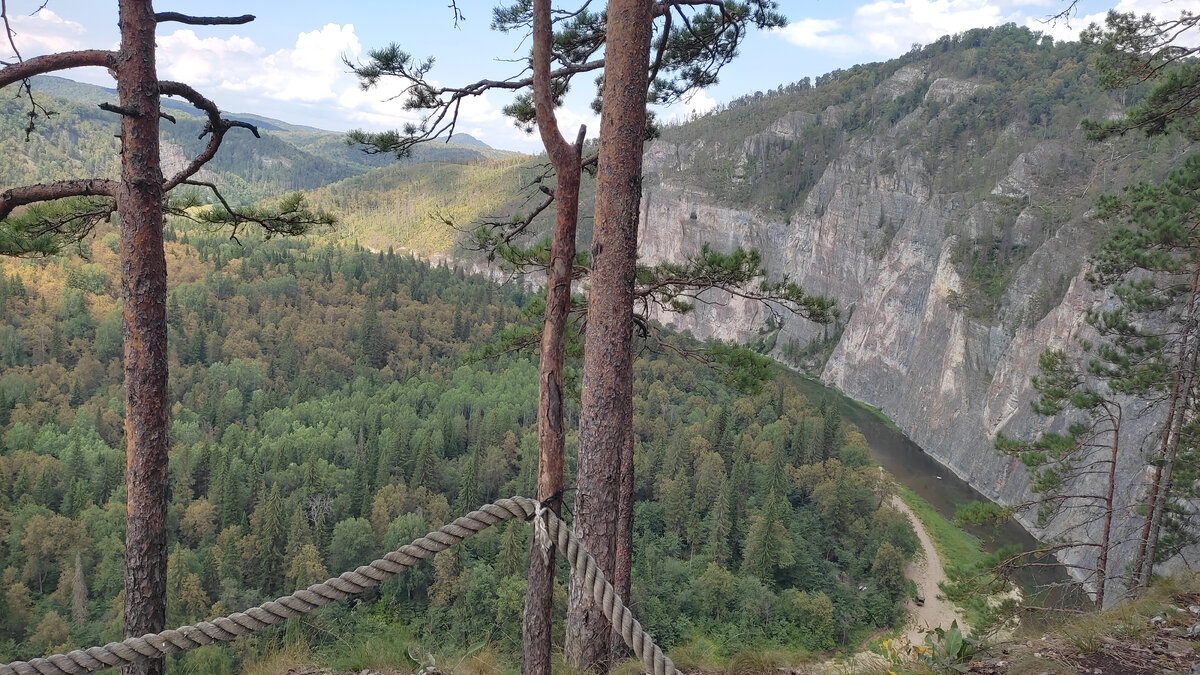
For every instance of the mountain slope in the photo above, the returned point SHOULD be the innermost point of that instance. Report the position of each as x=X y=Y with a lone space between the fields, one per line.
x=79 y=140
x=942 y=198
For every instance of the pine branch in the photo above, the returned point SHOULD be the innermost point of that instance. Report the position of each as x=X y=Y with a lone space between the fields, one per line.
x=692 y=55
x=30 y=194
x=291 y=218
x=45 y=227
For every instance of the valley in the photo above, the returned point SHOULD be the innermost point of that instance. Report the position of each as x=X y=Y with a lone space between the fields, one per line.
x=335 y=395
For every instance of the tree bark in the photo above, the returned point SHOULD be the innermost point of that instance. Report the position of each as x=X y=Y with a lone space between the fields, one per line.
x=606 y=416
x=539 y=599
x=143 y=303
x=623 y=565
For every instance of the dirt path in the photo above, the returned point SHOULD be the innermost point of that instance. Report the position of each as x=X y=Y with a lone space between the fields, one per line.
x=926 y=574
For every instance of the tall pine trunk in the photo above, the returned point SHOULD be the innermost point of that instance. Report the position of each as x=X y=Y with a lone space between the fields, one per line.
x=143 y=304
x=539 y=599
x=606 y=415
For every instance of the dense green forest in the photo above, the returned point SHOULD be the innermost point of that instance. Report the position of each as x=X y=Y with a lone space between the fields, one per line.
x=325 y=408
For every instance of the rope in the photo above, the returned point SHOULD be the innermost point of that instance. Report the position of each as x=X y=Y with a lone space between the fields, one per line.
x=225 y=629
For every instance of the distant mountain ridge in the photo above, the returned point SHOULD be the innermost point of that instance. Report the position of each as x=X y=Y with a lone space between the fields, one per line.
x=81 y=92
x=79 y=140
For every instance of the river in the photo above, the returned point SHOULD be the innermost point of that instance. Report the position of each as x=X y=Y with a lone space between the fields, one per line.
x=914 y=468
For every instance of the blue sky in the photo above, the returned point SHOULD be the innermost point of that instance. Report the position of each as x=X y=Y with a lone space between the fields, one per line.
x=287 y=64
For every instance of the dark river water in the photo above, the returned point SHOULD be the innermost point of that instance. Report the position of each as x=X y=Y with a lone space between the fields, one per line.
x=915 y=469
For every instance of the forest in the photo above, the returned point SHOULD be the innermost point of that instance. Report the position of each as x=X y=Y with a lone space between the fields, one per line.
x=329 y=404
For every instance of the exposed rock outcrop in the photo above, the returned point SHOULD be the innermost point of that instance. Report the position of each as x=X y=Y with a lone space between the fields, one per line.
x=954 y=265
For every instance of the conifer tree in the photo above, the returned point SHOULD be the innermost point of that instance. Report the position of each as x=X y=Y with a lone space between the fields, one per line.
x=1153 y=336
x=1061 y=465
x=618 y=39
x=511 y=558
x=768 y=546
x=831 y=426
x=266 y=524
x=64 y=212
x=720 y=526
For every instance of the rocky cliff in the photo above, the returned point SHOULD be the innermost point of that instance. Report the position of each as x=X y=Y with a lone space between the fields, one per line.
x=943 y=204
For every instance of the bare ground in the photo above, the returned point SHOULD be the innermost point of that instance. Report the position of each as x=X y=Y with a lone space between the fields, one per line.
x=926 y=573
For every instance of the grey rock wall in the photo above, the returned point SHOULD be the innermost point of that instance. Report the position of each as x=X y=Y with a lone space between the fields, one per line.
x=883 y=234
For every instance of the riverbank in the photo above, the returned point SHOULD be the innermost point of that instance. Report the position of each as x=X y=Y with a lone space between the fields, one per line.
x=928 y=574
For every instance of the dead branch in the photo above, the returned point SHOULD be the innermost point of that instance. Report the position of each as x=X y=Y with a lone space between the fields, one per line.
x=40 y=65
x=217 y=126
x=163 y=17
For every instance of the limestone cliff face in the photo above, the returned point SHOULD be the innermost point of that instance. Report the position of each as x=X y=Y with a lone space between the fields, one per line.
x=953 y=266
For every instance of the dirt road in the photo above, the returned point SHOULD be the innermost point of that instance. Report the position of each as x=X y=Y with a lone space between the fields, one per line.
x=926 y=574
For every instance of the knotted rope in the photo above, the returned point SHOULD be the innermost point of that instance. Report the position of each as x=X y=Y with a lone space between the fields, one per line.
x=224 y=629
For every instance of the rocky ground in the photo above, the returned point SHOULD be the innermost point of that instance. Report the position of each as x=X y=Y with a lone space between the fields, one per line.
x=1165 y=642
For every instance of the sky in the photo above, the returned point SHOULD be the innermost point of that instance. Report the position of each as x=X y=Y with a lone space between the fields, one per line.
x=288 y=63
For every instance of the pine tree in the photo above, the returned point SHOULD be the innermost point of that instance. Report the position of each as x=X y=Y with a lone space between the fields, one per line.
x=1059 y=465
x=768 y=546
x=1149 y=265
x=64 y=212
x=735 y=495
x=511 y=558
x=79 y=593
x=300 y=534
x=720 y=526
x=830 y=430
x=266 y=524
x=423 y=468
x=370 y=336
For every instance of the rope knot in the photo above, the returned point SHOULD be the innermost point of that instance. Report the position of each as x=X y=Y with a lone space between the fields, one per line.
x=541 y=532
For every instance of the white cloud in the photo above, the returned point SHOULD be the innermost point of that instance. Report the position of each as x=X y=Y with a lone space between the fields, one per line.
x=820 y=34
x=893 y=26
x=44 y=33
x=314 y=76
x=569 y=121
x=696 y=103
x=1068 y=29
x=888 y=28
x=313 y=71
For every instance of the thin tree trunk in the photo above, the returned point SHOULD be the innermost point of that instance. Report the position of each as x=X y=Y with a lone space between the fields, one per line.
x=1105 y=537
x=143 y=304
x=1184 y=381
x=606 y=415
x=539 y=599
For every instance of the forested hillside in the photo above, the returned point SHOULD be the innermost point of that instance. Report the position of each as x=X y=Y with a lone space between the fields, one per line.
x=323 y=412
x=79 y=140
